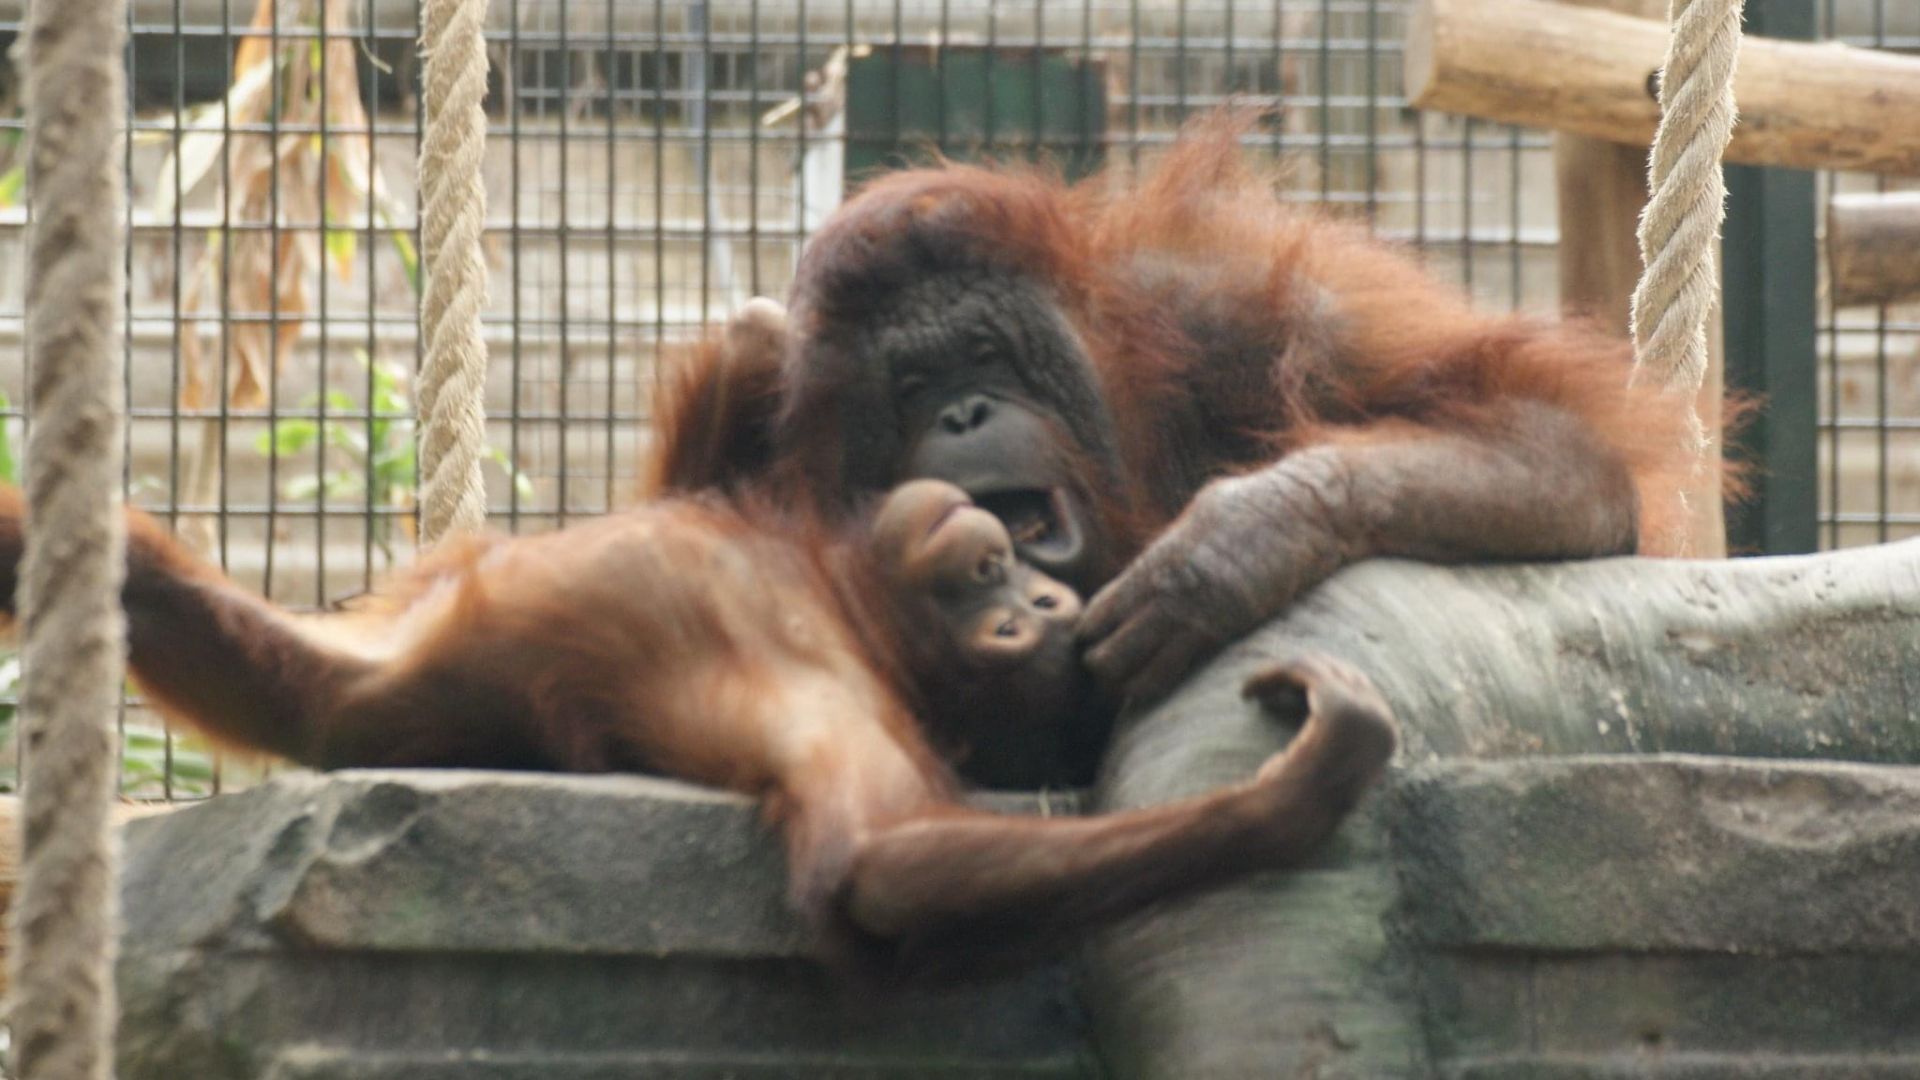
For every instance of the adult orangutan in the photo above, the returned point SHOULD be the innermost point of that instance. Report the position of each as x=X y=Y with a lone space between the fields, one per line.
x=823 y=668
x=1192 y=398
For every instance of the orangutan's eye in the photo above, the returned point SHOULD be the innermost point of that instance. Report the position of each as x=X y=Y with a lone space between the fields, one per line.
x=992 y=568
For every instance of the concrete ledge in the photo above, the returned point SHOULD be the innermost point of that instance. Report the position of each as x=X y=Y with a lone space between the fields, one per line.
x=1661 y=853
x=378 y=926
x=1666 y=916
x=1506 y=907
x=1509 y=908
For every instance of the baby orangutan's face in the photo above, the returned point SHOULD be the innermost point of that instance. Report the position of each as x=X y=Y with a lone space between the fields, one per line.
x=997 y=610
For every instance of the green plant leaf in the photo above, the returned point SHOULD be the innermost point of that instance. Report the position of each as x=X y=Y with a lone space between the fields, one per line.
x=341 y=245
x=349 y=437
x=409 y=258
x=521 y=482
x=9 y=470
x=301 y=488
x=12 y=182
x=287 y=437
x=390 y=391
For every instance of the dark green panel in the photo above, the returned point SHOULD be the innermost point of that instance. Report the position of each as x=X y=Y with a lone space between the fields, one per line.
x=970 y=103
x=1769 y=268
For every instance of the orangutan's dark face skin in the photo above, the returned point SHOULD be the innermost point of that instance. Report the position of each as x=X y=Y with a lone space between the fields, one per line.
x=978 y=382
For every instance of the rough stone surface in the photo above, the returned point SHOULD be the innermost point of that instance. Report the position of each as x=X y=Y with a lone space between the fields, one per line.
x=1660 y=854
x=1484 y=917
x=1671 y=916
x=1298 y=975
x=391 y=926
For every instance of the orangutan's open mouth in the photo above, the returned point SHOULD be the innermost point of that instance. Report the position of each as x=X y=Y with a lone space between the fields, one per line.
x=1040 y=520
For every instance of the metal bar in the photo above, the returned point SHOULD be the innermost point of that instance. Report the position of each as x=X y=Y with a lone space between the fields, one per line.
x=367 y=538
x=325 y=353
x=176 y=293
x=510 y=83
x=1133 y=86
x=419 y=244
x=564 y=293
x=1513 y=220
x=740 y=42
x=226 y=275
x=1281 y=104
x=1180 y=60
x=1466 y=202
x=1769 y=318
x=1882 y=382
x=940 y=88
x=1037 y=58
x=276 y=104
x=753 y=159
x=610 y=80
x=1323 y=67
x=660 y=186
x=126 y=370
x=991 y=137
x=1373 y=113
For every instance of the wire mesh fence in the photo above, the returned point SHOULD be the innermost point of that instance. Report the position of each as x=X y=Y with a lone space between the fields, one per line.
x=1869 y=441
x=652 y=165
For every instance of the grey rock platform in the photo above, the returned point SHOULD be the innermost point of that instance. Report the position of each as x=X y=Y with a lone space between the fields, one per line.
x=494 y=926
x=1502 y=911
x=1557 y=881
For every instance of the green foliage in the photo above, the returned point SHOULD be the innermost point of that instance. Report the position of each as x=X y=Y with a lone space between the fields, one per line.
x=9 y=470
x=368 y=457
x=12 y=183
x=144 y=763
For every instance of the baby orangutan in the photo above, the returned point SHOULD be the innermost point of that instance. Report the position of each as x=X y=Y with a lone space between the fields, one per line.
x=737 y=646
x=740 y=646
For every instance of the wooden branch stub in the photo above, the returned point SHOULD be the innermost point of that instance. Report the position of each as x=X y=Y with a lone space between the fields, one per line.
x=1873 y=247
x=1565 y=68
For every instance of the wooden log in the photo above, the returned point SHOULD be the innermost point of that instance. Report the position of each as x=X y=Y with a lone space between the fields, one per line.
x=1873 y=247
x=1548 y=65
x=1602 y=188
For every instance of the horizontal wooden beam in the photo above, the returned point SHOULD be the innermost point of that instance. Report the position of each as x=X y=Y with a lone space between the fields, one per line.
x=1589 y=72
x=1873 y=247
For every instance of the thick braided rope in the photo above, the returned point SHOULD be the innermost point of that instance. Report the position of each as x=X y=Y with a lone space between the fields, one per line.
x=1683 y=214
x=65 y=913
x=453 y=377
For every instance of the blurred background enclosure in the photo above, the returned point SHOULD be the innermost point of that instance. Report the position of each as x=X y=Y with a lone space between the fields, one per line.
x=651 y=165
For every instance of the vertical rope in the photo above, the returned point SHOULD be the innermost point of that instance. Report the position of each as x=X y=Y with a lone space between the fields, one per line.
x=65 y=913
x=1682 y=219
x=453 y=377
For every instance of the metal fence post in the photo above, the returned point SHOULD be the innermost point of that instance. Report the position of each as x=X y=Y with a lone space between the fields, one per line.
x=1769 y=315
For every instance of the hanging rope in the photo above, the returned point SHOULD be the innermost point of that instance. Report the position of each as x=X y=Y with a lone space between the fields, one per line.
x=1683 y=214
x=65 y=913
x=453 y=377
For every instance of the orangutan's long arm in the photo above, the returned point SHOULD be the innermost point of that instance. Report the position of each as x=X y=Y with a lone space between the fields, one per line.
x=1531 y=484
